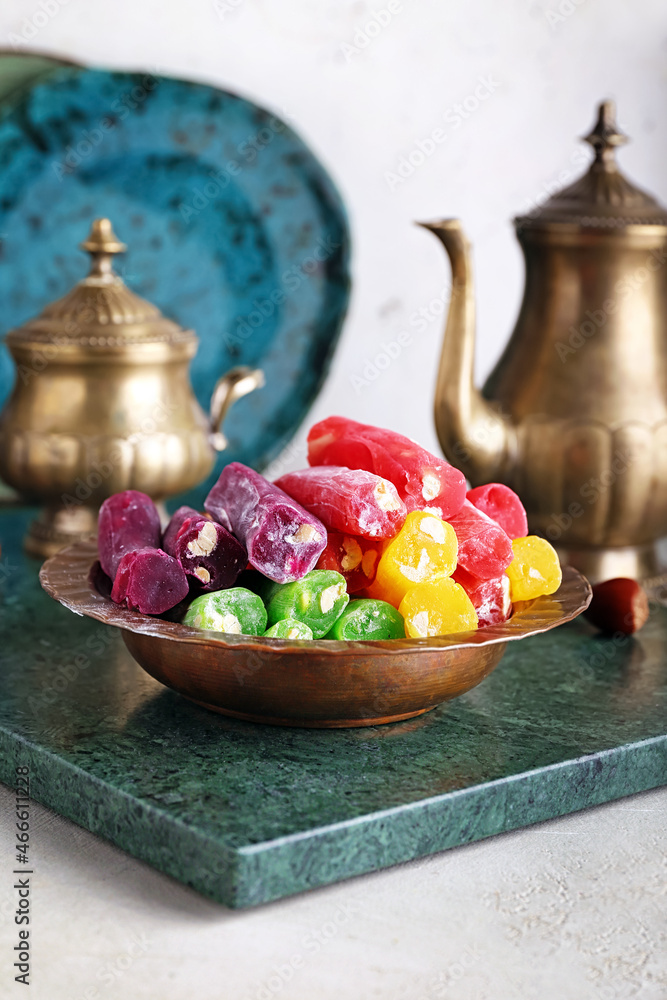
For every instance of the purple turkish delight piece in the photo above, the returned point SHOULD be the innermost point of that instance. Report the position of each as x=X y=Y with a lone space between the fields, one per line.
x=150 y=581
x=209 y=553
x=127 y=521
x=177 y=520
x=283 y=540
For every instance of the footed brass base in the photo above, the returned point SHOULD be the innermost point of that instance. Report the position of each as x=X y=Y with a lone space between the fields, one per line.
x=56 y=527
x=646 y=563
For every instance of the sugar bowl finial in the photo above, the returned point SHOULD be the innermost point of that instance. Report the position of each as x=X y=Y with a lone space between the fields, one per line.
x=102 y=244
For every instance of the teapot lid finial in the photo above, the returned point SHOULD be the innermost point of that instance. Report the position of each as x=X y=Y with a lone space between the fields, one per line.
x=603 y=198
x=605 y=136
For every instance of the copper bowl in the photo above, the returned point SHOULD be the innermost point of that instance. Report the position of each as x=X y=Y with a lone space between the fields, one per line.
x=321 y=684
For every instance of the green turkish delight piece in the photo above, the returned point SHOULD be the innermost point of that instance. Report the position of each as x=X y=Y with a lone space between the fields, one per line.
x=317 y=599
x=367 y=618
x=289 y=628
x=236 y=611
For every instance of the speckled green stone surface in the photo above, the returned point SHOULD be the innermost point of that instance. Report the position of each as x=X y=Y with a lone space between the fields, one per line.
x=247 y=813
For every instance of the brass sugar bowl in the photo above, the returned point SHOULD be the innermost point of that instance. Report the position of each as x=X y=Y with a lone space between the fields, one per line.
x=102 y=402
x=574 y=415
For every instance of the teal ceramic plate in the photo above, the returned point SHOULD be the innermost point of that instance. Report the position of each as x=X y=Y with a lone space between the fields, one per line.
x=234 y=229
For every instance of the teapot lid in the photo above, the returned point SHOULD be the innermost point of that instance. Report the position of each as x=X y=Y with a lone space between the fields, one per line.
x=603 y=198
x=100 y=311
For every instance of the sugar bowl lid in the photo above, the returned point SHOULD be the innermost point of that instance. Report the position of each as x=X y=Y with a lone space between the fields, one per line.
x=603 y=198
x=100 y=311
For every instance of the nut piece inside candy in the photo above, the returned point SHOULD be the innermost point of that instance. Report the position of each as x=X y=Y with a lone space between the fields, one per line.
x=434 y=528
x=329 y=597
x=421 y=623
x=205 y=541
x=202 y=574
x=353 y=554
x=305 y=533
x=618 y=605
x=368 y=561
x=417 y=573
x=430 y=486
x=230 y=623
x=387 y=497
x=507 y=602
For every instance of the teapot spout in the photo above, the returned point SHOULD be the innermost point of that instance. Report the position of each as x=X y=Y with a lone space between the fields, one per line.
x=474 y=436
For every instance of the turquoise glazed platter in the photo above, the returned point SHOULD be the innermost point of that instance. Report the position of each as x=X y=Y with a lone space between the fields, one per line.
x=234 y=229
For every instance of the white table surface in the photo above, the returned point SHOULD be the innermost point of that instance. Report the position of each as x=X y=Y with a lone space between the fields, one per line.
x=573 y=908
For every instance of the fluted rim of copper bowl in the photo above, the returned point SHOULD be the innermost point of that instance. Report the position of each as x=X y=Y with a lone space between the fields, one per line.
x=68 y=578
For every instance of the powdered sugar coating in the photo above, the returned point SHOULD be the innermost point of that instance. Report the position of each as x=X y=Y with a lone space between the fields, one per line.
x=268 y=522
x=485 y=550
x=420 y=477
x=352 y=501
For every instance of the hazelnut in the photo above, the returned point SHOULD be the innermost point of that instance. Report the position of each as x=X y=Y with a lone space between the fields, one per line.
x=618 y=605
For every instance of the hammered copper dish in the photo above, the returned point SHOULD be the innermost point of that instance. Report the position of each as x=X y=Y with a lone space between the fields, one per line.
x=320 y=684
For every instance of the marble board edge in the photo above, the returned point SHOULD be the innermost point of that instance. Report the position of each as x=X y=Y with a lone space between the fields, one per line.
x=256 y=874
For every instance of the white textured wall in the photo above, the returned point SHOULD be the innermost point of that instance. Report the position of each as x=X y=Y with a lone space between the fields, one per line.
x=363 y=107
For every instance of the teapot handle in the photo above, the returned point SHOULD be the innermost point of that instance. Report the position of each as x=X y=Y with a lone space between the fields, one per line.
x=237 y=382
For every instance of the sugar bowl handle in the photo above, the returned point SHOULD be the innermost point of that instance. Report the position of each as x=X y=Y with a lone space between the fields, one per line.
x=237 y=382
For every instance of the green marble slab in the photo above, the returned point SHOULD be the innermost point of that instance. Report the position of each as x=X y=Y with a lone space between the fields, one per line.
x=247 y=813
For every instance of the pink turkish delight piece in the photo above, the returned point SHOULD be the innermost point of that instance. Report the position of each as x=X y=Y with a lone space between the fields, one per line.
x=178 y=518
x=209 y=553
x=501 y=504
x=490 y=598
x=282 y=539
x=355 y=502
x=423 y=480
x=485 y=550
x=127 y=521
x=150 y=581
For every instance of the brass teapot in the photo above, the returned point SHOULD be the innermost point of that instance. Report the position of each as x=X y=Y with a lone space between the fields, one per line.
x=574 y=415
x=102 y=402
